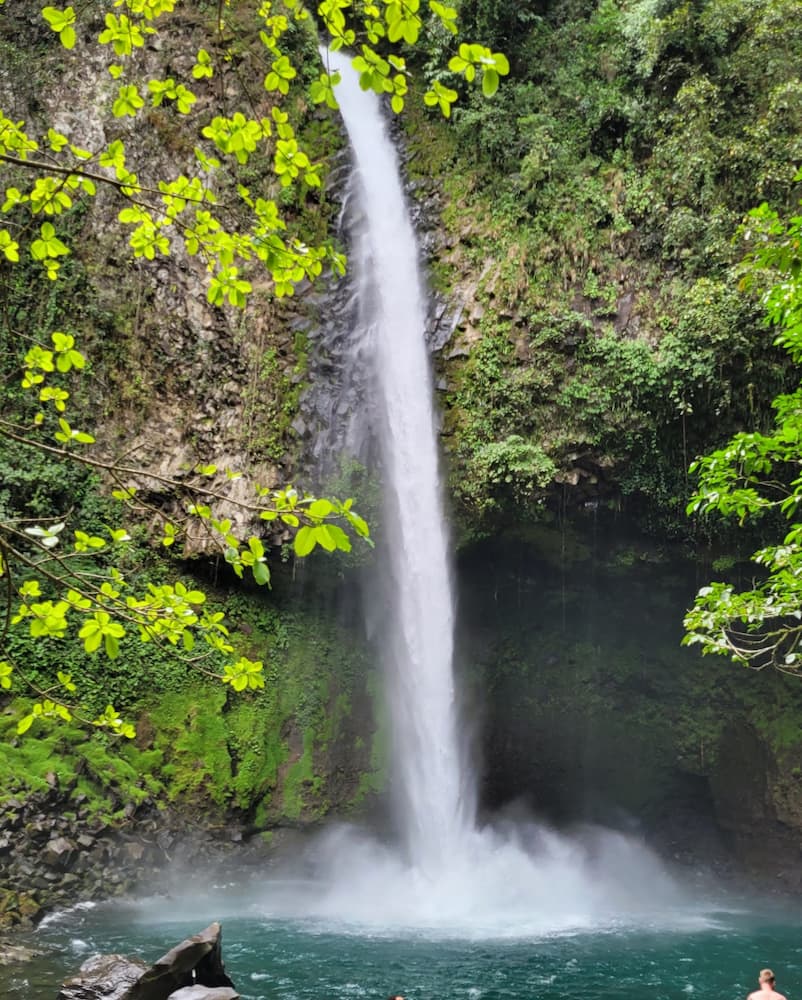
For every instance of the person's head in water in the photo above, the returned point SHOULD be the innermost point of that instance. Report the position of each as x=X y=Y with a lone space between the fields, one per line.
x=395 y=996
x=767 y=989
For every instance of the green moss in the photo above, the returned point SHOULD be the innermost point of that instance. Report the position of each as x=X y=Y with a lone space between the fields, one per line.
x=102 y=769
x=192 y=734
x=301 y=782
x=373 y=781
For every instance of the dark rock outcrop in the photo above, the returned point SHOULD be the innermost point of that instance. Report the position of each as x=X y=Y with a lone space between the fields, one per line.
x=193 y=970
x=196 y=961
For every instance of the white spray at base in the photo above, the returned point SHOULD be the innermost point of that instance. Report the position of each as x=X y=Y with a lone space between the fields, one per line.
x=447 y=875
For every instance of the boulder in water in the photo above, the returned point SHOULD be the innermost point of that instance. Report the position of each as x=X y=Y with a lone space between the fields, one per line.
x=104 y=977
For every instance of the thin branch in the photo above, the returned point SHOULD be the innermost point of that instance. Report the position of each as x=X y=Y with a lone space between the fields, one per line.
x=9 y=589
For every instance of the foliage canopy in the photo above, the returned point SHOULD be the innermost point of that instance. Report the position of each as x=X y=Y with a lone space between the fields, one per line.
x=758 y=474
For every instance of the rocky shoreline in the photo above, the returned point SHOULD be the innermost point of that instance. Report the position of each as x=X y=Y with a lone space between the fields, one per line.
x=54 y=852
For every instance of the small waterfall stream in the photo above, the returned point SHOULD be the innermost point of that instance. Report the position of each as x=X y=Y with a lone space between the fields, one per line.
x=435 y=803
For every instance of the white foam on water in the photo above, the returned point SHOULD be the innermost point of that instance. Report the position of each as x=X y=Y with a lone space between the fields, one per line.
x=60 y=916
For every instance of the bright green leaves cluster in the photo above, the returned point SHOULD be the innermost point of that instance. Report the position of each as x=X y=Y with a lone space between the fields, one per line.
x=6 y=673
x=48 y=196
x=403 y=20
x=128 y=102
x=123 y=34
x=491 y=66
x=203 y=67
x=101 y=628
x=440 y=96
x=67 y=435
x=46 y=709
x=8 y=246
x=112 y=720
x=282 y=72
x=290 y=161
x=447 y=16
x=322 y=90
x=332 y=12
x=227 y=286
x=66 y=354
x=237 y=135
x=328 y=536
x=62 y=22
x=46 y=619
x=375 y=74
x=52 y=705
x=755 y=473
x=315 y=521
x=48 y=248
x=14 y=140
x=169 y=90
x=244 y=674
x=86 y=543
x=40 y=363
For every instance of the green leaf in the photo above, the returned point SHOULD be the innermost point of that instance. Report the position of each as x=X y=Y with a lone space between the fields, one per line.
x=339 y=537
x=304 y=541
x=25 y=724
x=320 y=508
x=490 y=81
x=92 y=639
x=6 y=672
x=324 y=537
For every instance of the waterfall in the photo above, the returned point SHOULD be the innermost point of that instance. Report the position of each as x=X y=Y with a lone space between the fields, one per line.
x=514 y=877
x=435 y=803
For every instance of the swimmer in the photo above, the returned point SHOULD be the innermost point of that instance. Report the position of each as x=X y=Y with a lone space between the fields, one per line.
x=766 y=991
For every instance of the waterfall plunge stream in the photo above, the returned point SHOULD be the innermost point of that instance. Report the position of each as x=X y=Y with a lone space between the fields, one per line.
x=435 y=805
x=447 y=874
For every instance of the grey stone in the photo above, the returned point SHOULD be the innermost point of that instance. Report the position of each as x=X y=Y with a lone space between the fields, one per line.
x=11 y=954
x=59 y=852
x=204 y=993
x=104 y=977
